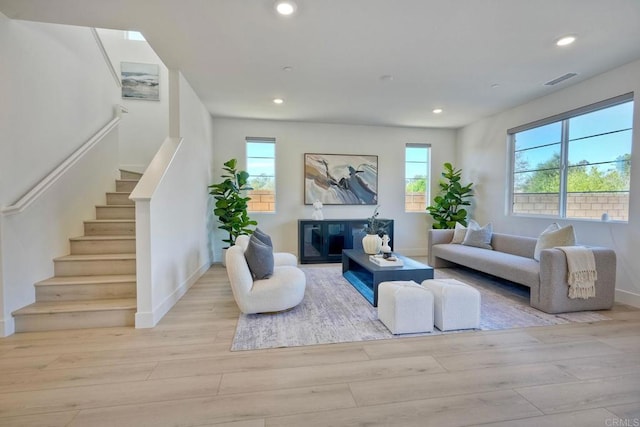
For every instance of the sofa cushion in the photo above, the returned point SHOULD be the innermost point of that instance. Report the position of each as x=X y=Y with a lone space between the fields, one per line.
x=459 y=233
x=263 y=237
x=515 y=245
x=259 y=259
x=515 y=268
x=554 y=236
x=479 y=237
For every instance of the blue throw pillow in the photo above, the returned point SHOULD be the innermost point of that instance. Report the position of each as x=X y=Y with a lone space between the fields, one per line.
x=259 y=259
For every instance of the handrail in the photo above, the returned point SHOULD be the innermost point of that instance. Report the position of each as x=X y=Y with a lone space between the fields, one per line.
x=105 y=55
x=156 y=170
x=32 y=195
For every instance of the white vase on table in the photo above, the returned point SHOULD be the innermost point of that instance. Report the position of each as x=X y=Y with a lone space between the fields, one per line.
x=371 y=244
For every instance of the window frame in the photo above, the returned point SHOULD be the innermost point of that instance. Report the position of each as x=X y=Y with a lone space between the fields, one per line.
x=563 y=118
x=427 y=194
x=263 y=140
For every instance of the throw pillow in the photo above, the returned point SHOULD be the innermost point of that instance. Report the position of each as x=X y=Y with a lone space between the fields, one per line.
x=477 y=236
x=554 y=236
x=259 y=259
x=263 y=237
x=459 y=232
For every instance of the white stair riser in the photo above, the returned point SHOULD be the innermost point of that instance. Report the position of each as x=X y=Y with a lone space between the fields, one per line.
x=97 y=247
x=94 y=267
x=110 y=228
x=115 y=212
x=126 y=186
x=119 y=199
x=84 y=292
x=76 y=320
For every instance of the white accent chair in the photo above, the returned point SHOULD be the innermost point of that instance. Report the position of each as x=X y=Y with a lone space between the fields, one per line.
x=279 y=258
x=456 y=304
x=405 y=307
x=282 y=291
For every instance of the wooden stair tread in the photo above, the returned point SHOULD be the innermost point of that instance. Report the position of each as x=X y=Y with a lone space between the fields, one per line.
x=87 y=280
x=116 y=206
x=96 y=257
x=53 y=307
x=104 y=237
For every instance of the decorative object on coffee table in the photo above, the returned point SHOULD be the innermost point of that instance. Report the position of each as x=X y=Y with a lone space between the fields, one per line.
x=365 y=275
x=375 y=229
x=386 y=249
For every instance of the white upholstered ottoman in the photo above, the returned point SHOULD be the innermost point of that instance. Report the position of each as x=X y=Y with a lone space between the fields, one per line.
x=405 y=307
x=455 y=304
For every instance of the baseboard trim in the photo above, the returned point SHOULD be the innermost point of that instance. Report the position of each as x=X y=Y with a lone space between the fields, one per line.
x=7 y=327
x=151 y=319
x=626 y=297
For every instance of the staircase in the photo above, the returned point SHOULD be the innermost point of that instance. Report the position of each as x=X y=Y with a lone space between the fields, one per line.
x=94 y=286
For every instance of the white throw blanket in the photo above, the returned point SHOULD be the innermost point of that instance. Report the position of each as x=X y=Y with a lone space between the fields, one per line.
x=581 y=271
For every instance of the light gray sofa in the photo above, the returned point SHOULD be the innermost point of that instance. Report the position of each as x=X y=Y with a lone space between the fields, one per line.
x=512 y=259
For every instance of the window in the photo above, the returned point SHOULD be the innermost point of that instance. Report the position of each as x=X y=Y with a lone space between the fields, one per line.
x=416 y=177
x=261 y=165
x=575 y=165
x=134 y=35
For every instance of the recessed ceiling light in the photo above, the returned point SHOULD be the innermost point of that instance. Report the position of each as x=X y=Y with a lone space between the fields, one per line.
x=285 y=7
x=437 y=110
x=287 y=68
x=386 y=78
x=565 y=41
x=278 y=101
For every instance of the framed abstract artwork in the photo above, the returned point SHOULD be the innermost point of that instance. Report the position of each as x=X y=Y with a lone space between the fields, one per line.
x=340 y=179
x=140 y=81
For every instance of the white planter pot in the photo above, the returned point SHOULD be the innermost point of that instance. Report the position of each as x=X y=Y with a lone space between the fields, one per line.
x=371 y=244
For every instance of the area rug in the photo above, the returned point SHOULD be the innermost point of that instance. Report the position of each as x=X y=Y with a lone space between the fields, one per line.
x=333 y=311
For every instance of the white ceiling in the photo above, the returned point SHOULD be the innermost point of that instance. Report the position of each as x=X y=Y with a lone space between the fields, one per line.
x=440 y=53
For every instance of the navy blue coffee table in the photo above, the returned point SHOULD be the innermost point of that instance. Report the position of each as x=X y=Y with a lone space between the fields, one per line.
x=365 y=276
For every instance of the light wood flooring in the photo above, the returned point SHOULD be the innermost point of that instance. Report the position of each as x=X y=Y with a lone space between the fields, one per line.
x=181 y=373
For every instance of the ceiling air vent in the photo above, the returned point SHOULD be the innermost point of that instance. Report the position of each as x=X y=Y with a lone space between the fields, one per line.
x=560 y=79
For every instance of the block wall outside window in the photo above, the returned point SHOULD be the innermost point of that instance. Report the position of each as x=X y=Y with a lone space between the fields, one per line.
x=576 y=164
x=417 y=179
x=261 y=165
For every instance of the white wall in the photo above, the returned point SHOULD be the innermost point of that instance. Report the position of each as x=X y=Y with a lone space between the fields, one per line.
x=172 y=239
x=146 y=125
x=295 y=139
x=56 y=93
x=483 y=156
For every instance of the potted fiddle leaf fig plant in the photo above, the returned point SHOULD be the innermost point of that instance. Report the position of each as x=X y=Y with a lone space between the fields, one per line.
x=447 y=208
x=231 y=204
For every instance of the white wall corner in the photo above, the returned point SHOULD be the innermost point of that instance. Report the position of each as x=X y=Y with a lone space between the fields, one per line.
x=626 y=297
x=7 y=326
x=151 y=319
x=174 y=103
